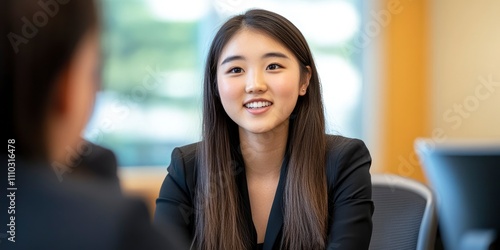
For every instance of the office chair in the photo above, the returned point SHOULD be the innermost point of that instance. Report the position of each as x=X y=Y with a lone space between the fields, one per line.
x=404 y=216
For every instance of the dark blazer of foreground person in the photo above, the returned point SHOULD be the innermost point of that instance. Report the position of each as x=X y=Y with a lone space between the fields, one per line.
x=349 y=196
x=75 y=212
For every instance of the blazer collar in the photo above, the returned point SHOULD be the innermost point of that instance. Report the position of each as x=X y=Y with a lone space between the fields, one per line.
x=275 y=222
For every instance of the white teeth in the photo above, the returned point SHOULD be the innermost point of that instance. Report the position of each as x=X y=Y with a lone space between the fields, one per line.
x=254 y=105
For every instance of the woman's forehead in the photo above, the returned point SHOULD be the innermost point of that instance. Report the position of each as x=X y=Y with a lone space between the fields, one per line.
x=253 y=43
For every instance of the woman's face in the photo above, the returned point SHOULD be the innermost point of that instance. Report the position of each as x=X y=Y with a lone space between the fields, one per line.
x=79 y=85
x=259 y=81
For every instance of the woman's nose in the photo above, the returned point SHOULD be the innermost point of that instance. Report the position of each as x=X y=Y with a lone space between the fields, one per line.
x=255 y=83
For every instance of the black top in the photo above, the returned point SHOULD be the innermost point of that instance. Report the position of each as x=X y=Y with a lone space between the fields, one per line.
x=349 y=194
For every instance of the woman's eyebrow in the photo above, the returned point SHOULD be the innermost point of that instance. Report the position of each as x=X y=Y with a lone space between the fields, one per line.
x=275 y=54
x=232 y=58
x=267 y=55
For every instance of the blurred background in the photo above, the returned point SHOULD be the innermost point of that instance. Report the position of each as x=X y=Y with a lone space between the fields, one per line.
x=391 y=71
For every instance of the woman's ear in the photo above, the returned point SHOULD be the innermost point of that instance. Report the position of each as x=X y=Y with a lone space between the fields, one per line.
x=61 y=99
x=305 y=81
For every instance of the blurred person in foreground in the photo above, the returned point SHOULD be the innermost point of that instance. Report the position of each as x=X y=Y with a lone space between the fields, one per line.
x=49 y=76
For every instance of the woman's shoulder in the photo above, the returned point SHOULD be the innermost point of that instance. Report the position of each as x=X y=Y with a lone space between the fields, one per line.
x=345 y=157
x=183 y=162
x=338 y=145
x=185 y=155
x=188 y=150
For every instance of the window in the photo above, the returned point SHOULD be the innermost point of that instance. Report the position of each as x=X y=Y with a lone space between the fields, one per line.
x=153 y=57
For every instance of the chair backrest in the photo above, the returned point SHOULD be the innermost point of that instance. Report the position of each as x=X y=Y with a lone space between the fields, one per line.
x=404 y=216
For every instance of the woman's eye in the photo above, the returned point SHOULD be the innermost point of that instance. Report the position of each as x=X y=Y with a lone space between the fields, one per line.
x=273 y=66
x=235 y=70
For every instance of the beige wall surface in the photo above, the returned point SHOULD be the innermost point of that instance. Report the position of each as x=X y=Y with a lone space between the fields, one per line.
x=465 y=68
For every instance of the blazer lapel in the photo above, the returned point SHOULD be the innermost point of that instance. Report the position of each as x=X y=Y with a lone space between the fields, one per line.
x=275 y=222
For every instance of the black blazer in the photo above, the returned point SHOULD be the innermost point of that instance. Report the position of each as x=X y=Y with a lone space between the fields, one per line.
x=349 y=197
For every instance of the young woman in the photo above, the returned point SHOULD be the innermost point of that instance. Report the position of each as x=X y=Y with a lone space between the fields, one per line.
x=265 y=175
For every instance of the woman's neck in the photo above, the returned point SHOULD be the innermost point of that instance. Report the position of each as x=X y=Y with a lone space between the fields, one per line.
x=263 y=153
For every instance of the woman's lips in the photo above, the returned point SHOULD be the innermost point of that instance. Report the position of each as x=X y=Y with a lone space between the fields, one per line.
x=257 y=111
x=257 y=106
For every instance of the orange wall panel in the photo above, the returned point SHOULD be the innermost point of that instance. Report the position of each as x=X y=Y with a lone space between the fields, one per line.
x=405 y=102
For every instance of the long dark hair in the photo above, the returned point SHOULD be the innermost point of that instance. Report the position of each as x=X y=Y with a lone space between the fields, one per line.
x=39 y=39
x=218 y=217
